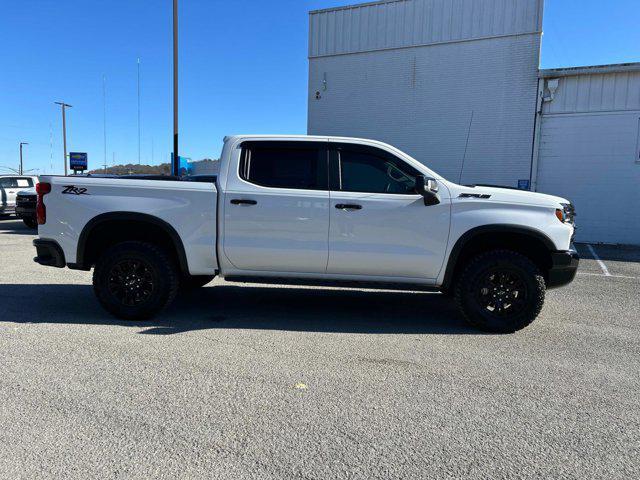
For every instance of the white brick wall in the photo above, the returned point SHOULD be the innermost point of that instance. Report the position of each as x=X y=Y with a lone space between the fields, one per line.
x=420 y=99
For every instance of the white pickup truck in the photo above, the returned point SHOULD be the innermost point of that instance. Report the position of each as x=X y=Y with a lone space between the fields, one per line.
x=313 y=210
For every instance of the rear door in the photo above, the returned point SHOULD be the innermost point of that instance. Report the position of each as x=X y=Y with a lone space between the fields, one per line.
x=276 y=211
x=379 y=225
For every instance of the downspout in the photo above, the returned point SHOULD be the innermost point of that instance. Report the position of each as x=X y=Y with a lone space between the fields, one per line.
x=536 y=136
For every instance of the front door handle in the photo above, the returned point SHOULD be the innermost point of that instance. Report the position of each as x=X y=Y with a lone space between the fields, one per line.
x=348 y=206
x=238 y=201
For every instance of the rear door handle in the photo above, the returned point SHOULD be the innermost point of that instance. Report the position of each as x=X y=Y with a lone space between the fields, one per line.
x=238 y=201
x=348 y=206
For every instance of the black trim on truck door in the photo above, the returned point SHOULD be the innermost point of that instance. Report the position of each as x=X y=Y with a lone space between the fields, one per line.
x=128 y=216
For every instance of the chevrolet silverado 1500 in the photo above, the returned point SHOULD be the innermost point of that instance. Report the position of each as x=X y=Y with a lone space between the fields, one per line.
x=315 y=210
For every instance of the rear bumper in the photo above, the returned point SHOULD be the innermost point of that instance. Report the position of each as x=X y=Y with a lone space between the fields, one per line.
x=49 y=253
x=564 y=265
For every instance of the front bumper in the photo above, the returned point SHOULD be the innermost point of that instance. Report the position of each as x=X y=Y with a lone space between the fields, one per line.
x=26 y=206
x=564 y=265
x=49 y=253
x=7 y=209
x=25 y=212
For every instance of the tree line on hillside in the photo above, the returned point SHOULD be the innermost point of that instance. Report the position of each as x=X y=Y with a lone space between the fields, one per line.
x=202 y=166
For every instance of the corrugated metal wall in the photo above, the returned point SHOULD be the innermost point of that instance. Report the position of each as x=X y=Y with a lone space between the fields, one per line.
x=590 y=153
x=405 y=23
x=596 y=93
x=422 y=98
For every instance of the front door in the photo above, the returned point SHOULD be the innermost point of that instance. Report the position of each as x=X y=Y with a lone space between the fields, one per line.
x=277 y=207
x=379 y=225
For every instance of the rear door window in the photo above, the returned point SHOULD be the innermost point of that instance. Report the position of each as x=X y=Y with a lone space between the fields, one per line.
x=295 y=165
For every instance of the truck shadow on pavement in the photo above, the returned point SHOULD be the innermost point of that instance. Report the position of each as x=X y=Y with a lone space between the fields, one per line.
x=247 y=307
x=12 y=226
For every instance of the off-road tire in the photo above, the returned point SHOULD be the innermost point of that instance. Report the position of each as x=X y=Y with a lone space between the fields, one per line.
x=155 y=271
x=193 y=282
x=30 y=222
x=470 y=291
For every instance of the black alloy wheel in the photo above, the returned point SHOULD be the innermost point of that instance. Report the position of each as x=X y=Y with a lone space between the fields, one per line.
x=131 y=282
x=135 y=280
x=500 y=291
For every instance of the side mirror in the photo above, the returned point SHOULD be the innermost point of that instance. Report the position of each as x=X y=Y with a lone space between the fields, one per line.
x=428 y=188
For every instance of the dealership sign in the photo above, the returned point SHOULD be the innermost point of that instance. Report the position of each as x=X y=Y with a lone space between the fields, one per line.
x=78 y=161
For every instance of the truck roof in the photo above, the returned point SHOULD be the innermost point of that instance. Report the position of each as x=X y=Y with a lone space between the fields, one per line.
x=322 y=138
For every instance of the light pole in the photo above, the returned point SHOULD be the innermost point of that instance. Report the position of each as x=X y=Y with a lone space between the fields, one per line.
x=21 y=144
x=64 y=133
x=176 y=157
x=138 y=111
x=104 y=119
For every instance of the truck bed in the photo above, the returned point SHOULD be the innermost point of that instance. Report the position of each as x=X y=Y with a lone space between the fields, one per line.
x=188 y=208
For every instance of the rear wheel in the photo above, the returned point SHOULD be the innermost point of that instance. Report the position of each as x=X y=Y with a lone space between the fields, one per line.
x=500 y=291
x=135 y=280
x=30 y=222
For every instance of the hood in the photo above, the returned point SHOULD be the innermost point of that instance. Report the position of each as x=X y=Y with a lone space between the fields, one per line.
x=509 y=195
x=28 y=191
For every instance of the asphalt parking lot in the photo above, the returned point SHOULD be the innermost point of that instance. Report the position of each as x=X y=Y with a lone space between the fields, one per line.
x=264 y=382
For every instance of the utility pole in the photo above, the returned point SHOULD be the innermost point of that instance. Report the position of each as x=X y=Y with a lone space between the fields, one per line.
x=138 y=111
x=176 y=157
x=21 y=144
x=104 y=118
x=64 y=133
x=50 y=147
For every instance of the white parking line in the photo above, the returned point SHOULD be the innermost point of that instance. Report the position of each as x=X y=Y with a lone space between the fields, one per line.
x=603 y=275
x=604 y=268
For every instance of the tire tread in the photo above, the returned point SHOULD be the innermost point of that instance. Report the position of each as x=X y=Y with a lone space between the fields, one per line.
x=168 y=272
x=525 y=318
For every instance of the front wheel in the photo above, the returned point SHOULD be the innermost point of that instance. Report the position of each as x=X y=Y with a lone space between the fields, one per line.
x=30 y=222
x=500 y=291
x=135 y=280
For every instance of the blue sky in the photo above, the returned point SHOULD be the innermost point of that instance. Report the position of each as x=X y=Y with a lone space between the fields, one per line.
x=243 y=69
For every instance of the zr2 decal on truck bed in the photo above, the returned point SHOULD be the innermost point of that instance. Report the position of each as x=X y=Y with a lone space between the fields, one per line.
x=73 y=190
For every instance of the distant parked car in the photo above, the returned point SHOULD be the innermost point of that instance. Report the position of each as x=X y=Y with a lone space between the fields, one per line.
x=10 y=185
x=26 y=207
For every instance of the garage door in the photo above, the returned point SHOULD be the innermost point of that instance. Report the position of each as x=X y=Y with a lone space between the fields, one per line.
x=594 y=160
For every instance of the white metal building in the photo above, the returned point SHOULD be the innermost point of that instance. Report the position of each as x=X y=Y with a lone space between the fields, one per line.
x=455 y=83
x=588 y=147
x=425 y=75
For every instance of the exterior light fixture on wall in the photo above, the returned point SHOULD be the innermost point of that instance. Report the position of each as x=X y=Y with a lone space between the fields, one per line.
x=552 y=86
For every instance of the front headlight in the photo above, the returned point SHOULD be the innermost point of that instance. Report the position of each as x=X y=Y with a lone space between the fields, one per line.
x=566 y=214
